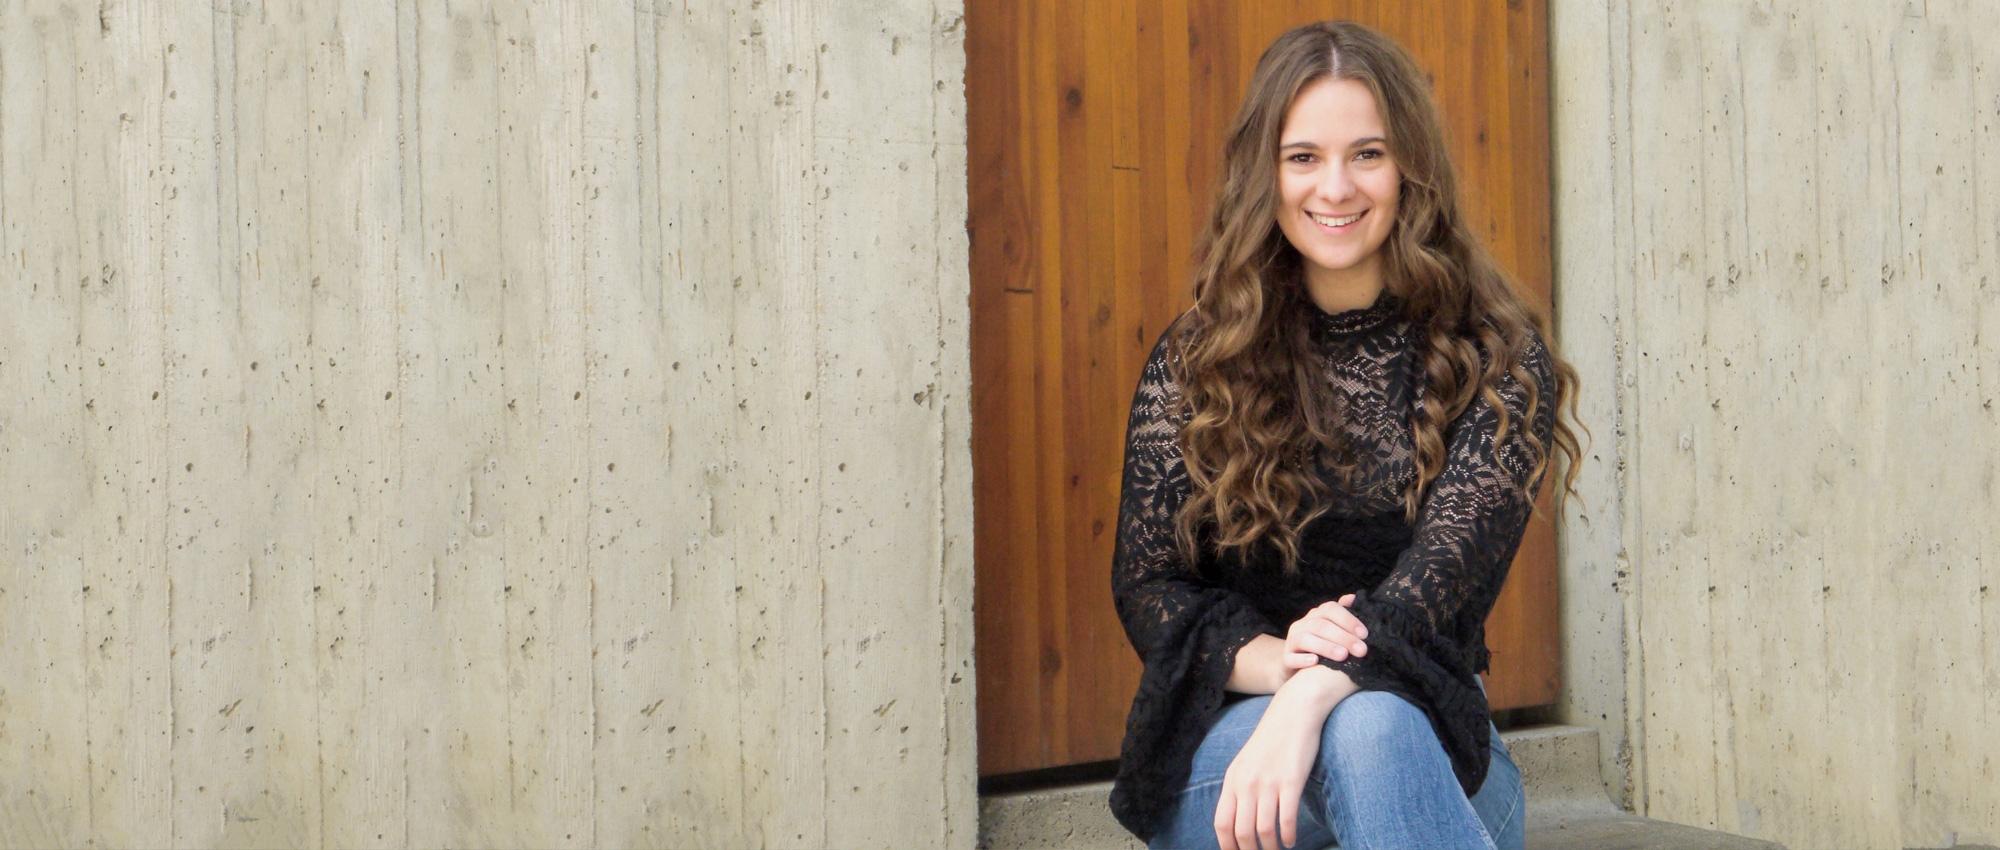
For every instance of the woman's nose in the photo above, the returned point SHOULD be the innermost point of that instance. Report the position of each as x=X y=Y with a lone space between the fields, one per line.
x=1336 y=186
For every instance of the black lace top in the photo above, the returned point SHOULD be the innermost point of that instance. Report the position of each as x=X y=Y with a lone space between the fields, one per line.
x=1423 y=591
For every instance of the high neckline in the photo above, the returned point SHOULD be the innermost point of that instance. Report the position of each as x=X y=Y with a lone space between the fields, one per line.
x=1345 y=322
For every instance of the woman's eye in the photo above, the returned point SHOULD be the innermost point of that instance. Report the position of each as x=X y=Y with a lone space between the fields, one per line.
x=1369 y=153
x=1296 y=157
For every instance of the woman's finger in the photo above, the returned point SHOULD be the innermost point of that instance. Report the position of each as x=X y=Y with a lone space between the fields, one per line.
x=1225 y=819
x=1337 y=650
x=1267 y=820
x=1321 y=646
x=1246 y=821
x=1347 y=600
x=1332 y=636
x=1301 y=660
x=1288 y=817
x=1345 y=619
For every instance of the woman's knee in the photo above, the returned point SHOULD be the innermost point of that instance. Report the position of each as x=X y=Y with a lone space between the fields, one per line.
x=1369 y=727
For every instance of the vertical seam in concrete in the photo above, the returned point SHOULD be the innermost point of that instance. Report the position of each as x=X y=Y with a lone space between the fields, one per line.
x=1632 y=519
x=1740 y=136
x=167 y=469
x=810 y=26
x=1719 y=675
x=590 y=478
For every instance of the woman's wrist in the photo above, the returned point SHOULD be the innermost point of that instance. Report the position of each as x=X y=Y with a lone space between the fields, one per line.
x=1259 y=667
x=1319 y=686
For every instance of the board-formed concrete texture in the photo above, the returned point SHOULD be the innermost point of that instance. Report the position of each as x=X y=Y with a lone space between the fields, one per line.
x=1776 y=268
x=493 y=424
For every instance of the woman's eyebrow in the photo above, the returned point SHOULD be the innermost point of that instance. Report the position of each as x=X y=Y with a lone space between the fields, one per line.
x=1313 y=146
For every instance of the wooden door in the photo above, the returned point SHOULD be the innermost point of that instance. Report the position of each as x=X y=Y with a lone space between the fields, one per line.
x=1095 y=129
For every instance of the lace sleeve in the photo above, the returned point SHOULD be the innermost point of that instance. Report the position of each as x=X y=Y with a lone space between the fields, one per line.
x=1421 y=618
x=1186 y=630
x=1474 y=516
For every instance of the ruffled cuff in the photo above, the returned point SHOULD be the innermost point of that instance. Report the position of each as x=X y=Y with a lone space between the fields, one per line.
x=1180 y=693
x=1408 y=658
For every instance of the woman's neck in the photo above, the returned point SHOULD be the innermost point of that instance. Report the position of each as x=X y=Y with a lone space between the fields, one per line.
x=1347 y=289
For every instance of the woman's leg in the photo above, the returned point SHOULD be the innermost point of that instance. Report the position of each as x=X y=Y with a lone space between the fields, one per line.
x=1500 y=802
x=1385 y=782
x=1191 y=822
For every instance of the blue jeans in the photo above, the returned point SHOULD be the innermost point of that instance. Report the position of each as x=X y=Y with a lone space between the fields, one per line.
x=1381 y=780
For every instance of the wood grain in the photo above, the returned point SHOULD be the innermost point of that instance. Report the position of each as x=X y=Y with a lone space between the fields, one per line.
x=1096 y=132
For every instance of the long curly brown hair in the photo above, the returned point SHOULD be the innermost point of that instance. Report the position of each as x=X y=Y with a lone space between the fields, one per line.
x=1245 y=362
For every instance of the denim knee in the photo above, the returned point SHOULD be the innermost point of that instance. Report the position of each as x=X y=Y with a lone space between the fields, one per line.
x=1373 y=728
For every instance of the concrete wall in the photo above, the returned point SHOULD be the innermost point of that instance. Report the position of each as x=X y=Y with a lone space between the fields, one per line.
x=491 y=424
x=1777 y=233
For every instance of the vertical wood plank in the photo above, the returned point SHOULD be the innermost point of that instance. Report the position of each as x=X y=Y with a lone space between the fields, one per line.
x=1002 y=186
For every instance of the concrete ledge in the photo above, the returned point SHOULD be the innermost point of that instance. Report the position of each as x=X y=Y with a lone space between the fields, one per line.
x=1625 y=831
x=1567 y=808
x=1075 y=816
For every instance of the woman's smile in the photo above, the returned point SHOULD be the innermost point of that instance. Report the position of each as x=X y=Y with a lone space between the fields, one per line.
x=1336 y=224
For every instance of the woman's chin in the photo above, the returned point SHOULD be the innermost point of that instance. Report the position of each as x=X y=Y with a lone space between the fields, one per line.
x=1337 y=263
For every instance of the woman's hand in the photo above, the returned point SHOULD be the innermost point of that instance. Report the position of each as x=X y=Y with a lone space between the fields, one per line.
x=1259 y=806
x=1330 y=630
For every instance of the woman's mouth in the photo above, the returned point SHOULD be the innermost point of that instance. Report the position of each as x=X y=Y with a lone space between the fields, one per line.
x=1336 y=224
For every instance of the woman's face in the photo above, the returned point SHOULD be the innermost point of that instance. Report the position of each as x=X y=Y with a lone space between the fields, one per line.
x=1337 y=185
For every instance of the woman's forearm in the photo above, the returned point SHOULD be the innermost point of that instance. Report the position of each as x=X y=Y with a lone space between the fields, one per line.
x=1260 y=667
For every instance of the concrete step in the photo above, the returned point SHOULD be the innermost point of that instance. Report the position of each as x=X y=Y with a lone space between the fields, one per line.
x=1567 y=808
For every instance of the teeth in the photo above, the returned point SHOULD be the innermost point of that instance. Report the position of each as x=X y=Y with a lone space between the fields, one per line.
x=1338 y=222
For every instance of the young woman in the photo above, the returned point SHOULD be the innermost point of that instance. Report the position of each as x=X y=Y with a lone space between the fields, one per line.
x=1329 y=464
